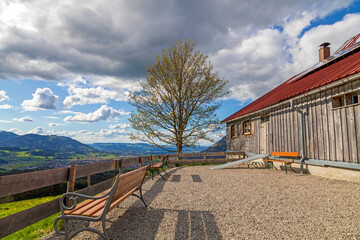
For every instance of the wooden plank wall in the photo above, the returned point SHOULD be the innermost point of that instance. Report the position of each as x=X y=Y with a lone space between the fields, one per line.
x=330 y=134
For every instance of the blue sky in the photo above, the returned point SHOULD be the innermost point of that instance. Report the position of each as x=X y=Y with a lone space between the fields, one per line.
x=65 y=68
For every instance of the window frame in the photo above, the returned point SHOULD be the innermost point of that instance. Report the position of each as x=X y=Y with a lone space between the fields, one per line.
x=233 y=131
x=247 y=128
x=345 y=100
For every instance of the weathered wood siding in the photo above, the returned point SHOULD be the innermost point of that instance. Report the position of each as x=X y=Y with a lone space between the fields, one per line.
x=332 y=134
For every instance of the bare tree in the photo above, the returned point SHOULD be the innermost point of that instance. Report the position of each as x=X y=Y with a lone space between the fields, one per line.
x=177 y=102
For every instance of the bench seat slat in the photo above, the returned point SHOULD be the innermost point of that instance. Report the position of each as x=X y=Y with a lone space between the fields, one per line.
x=94 y=209
x=285 y=154
x=272 y=160
x=157 y=165
x=88 y=204
x=85 y=204
x=115 y=202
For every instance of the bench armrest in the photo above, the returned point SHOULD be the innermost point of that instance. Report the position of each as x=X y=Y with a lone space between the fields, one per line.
x=75 y=196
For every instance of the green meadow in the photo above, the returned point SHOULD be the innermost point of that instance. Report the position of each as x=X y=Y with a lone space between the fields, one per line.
x=34 y=231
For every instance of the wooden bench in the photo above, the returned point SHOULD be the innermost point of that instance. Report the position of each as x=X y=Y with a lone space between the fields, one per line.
x=158 y=167
x=282 y=157
x=95 y=208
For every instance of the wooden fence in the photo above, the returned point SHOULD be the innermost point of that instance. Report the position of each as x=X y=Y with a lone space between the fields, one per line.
x=24 y=182
x=211 y=157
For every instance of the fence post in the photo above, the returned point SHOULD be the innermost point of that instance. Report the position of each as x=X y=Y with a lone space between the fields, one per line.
x=150 y=160
x=167 y=161
x=115 y=165
x=121 y=165
x=88 y=180
x=204 y=157
x=71 y=182
x=141 y=161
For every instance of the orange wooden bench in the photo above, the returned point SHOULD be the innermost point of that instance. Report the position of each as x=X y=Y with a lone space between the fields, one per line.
x=158 y=167
x=95 y=208
x=283 y=157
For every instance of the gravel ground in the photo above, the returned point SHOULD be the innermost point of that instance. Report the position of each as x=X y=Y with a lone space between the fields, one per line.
x=237 y=203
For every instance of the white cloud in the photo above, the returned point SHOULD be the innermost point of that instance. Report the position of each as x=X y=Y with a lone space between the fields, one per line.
x=269 y=57
x=43 y=98
x=5 y=106
x=111 y=133
x=39 y=130
x=109 y=43
x=55 y=124
x=120 y=125
x=82 y=92
x=51 y=117
x=293 y=27
x=24 y=119
x=250 y=64
x=103 y=113
x=5 y=121
x=67 y=112
x=15 y=130
x=3 y=96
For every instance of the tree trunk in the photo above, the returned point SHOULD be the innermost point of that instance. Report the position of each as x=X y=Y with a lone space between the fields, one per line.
x=179 y=150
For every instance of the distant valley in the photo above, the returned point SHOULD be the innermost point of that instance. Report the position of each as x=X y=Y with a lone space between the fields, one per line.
x=139 y=148
x=30 y=152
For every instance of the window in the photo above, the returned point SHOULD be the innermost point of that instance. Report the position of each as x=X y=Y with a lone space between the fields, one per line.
x=352 y=98
x=265 y=118
x=232 y=129
x=247 y=128
x=338 y=101
x=345 y=100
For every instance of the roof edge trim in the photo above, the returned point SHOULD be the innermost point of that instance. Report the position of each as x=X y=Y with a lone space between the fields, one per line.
x=317 y=90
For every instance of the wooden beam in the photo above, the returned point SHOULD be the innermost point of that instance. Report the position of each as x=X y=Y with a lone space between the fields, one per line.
x=93 y=168
x=18 y=183
x=20 y=220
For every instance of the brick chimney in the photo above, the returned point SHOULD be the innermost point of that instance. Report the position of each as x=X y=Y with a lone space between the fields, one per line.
x=324 y=51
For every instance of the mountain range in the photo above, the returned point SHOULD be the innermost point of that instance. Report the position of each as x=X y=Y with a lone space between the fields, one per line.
x=66 y=144
x=219 y=146
x=51 y=142
x=139 y=148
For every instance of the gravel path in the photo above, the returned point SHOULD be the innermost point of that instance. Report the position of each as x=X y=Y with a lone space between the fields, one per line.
x=237 y=203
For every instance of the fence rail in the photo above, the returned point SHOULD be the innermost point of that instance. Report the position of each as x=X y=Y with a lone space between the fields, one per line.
x=24 y=182
x=211 y=157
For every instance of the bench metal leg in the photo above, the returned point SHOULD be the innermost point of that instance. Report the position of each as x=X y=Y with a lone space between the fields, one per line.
x=104 y=229
x=285 y=168
x=292 y=168
x=159 y=173
x=140 y=197
x=70 y=232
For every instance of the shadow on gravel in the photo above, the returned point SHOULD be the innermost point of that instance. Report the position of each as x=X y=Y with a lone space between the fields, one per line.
x=196 y=225
x=140 y=223
x=137 y=220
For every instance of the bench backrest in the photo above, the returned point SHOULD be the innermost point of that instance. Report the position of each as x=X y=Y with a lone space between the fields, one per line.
x=125 y=185
x=285 y=154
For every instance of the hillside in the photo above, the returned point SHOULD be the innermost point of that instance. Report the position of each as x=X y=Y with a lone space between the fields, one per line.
x=35 y=141
x=219 y=146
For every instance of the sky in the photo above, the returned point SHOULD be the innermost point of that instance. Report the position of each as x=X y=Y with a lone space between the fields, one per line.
x=66 y=66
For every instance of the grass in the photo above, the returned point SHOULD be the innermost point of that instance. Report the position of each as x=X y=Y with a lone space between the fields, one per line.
x=34 y=231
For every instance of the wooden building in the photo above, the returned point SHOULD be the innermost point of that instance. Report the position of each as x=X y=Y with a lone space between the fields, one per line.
x=317 y=109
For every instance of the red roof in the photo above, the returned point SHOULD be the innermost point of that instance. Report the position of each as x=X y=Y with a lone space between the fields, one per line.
x=341 y=67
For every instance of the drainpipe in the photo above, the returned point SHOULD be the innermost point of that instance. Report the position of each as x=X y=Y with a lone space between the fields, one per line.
x=302 y=159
